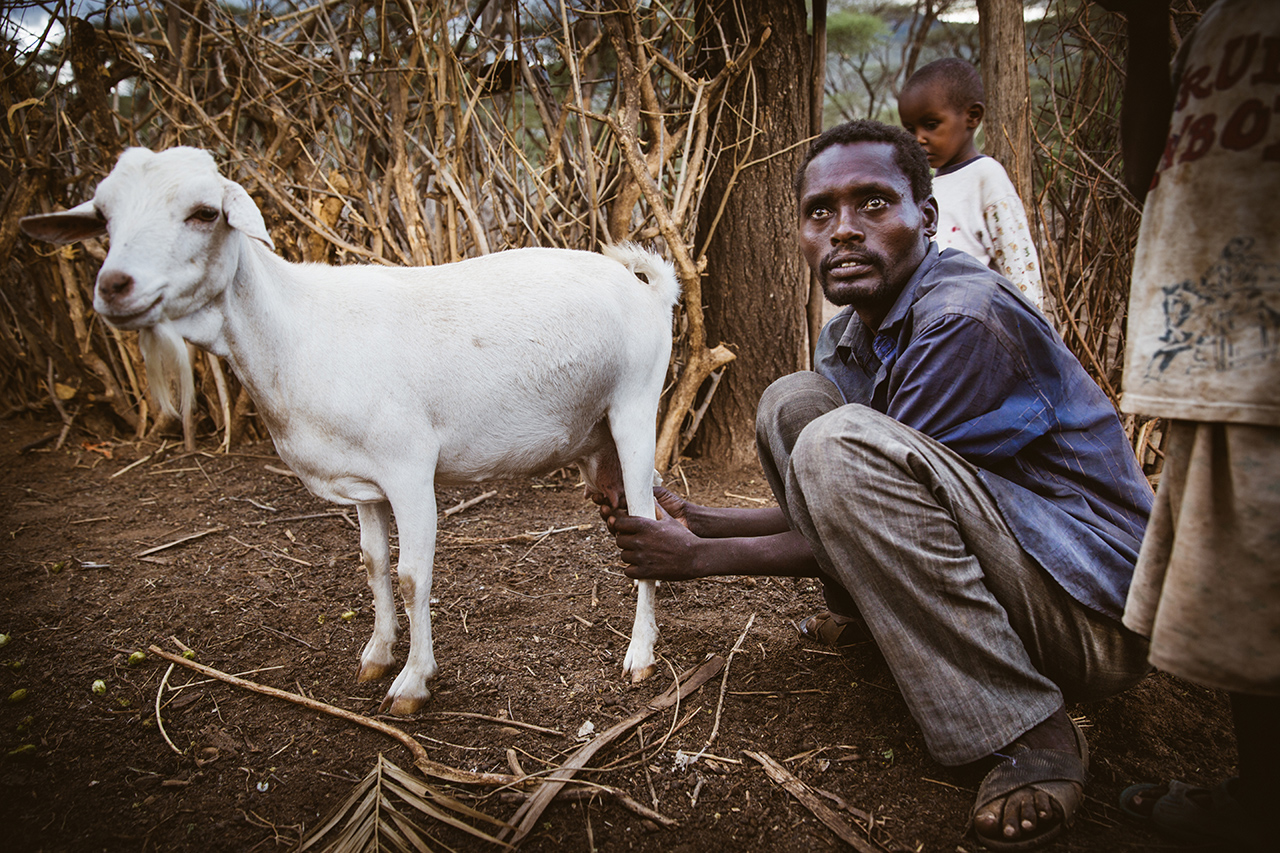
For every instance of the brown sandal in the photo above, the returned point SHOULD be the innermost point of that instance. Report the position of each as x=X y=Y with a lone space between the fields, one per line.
x=834 y=630
x=1061 y=775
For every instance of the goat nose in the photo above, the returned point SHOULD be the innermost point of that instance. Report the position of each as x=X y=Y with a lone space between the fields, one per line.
x=114 y=285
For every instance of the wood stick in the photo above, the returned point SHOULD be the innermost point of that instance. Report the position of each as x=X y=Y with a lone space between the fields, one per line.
x=40 y=442
x=467 y=504
x=586 y=790
x=131 y=465
x=269 y=553
x=425 y=764
x=333 y=513
x=809 y=800
x=724 y=684
x=533 y=808
x=160 y=723
x=501 y=720
x=177 y=542
x=519 y=537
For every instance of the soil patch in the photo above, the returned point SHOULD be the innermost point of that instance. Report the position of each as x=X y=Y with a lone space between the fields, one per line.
x=530 y=629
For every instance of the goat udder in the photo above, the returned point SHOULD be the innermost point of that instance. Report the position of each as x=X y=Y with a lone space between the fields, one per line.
x=602 y=474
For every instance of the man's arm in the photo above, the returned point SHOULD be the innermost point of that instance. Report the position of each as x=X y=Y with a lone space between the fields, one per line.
x=692 y=541
x=703 y=521
x=666 y=550
x=1148 y=92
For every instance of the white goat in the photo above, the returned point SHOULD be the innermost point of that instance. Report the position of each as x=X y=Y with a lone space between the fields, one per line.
x=378 y=382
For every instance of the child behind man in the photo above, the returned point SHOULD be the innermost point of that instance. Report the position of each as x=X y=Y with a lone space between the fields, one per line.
x=979 y=211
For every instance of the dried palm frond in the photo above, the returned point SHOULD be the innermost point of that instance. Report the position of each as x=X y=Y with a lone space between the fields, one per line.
x=384 y=812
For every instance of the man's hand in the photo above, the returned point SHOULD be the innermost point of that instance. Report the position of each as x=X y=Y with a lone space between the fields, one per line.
x=691 y=541
x=669 y=504
x=672 y=505
x=661 y=550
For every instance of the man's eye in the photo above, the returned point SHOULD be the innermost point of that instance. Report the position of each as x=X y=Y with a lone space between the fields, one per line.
x=875 y=203
x=205 y=214
x=819 y=213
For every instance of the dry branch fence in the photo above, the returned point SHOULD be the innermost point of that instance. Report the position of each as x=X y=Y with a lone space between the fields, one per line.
x=425 y=132
x=1087 y=219
x=401 y=133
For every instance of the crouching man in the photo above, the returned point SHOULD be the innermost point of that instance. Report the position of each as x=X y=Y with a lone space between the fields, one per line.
x=959 y=484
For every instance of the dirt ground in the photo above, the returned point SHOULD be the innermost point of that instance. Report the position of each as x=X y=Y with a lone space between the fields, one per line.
x=531 y=630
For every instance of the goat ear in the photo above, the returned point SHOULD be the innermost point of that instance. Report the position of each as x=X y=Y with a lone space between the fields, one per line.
x=242 y=214
x=78 y=223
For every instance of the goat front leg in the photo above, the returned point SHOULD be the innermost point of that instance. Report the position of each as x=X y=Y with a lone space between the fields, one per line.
x=378 y=656
x=417 y=526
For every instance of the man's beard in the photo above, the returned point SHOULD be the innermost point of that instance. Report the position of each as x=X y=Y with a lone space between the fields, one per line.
x=853 y=296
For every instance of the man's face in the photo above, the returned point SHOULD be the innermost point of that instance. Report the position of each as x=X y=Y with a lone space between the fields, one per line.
x=860 y=229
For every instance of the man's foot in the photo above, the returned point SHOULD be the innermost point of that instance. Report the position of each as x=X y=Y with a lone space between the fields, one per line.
x=832 y=629
x=1032 y=796
x=1194 y=814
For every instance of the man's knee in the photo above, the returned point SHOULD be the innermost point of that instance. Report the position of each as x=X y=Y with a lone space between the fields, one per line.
x=791 y=402
x=852 y=441
x=849 y=425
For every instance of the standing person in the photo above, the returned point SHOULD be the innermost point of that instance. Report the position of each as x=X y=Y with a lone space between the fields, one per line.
x=1204 y=352
x=979 y=211
x=960 y=485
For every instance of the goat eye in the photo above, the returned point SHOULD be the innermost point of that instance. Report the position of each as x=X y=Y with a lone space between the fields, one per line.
x=205 y=214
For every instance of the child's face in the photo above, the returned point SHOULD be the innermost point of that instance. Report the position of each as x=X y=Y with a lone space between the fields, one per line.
x=945 y=132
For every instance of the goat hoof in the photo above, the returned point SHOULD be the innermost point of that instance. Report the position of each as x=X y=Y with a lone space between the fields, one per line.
x=373 y=671
x=638 y=675
x=403 y=706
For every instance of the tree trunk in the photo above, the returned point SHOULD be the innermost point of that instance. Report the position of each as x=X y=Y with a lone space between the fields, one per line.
x=756 y=284
x=818 y=99
x=1003 y=43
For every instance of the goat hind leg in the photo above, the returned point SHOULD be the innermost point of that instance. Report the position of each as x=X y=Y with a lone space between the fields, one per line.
x=378 y=657
x=640 y=661
x=635 y=449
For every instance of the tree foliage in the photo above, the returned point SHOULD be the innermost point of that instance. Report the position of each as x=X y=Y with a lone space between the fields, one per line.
x=873 y=46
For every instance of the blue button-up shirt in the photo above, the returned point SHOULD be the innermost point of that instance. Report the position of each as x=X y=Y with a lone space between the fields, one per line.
x=963 y=357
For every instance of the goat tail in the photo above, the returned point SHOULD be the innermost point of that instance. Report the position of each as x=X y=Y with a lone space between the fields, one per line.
x=648 y=266
x=165 y=354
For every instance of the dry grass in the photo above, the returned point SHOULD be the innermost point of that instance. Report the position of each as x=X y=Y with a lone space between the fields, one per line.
x=402 y=134
x=416 y=134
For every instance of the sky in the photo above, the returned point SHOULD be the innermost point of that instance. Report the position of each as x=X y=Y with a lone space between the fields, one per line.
x=966 y=11
x=25 y=20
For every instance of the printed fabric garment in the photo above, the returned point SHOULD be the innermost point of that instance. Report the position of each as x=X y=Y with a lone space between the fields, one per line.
x=1206 y=589
x=1204 y=310
x=1204 y=317
x=979 y=212
x=966 y=359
